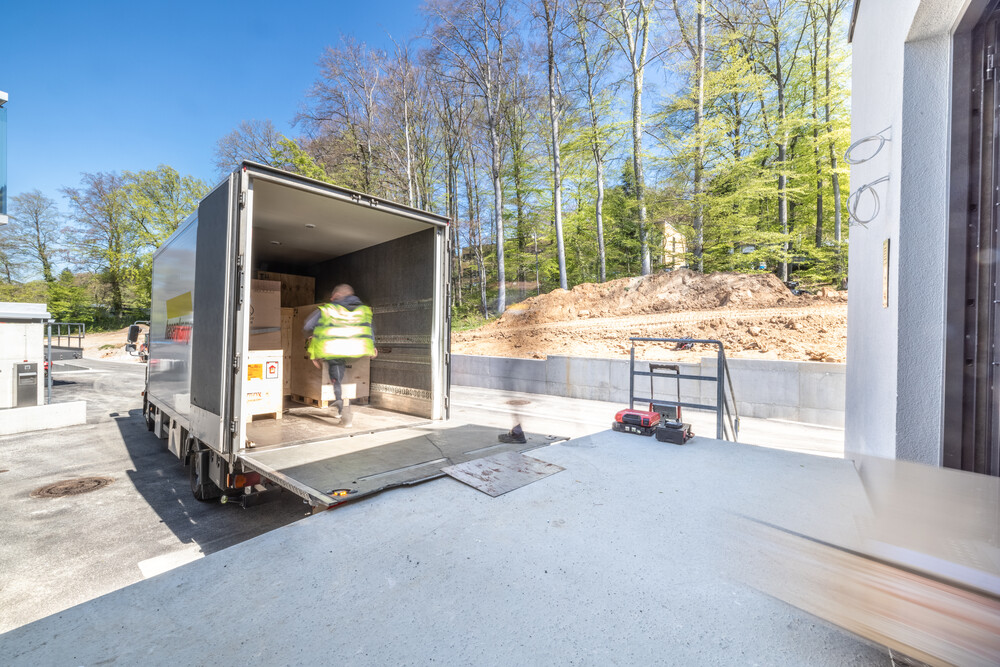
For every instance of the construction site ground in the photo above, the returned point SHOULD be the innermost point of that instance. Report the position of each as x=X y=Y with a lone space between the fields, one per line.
x=107 y=345
x=755 y=316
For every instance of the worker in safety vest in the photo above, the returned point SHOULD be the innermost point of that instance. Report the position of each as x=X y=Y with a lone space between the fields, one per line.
x=341 y=332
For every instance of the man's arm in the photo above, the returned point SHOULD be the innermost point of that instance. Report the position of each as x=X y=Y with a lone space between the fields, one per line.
x=311 y=323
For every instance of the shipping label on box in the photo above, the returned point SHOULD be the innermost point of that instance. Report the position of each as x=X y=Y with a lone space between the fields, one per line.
x=263 y=385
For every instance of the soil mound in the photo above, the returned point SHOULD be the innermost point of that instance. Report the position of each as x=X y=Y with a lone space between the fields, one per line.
x=680 y=290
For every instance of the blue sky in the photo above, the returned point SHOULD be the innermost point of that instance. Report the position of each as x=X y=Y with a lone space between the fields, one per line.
x=113 y=86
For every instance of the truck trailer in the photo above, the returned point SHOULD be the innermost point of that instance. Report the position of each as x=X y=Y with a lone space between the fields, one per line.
x=205 y=373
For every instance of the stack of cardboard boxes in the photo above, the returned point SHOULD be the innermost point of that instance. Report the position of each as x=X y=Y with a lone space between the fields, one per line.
x=264 y=368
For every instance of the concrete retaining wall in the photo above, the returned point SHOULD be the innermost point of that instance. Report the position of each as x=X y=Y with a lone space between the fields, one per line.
x=41 y=417
x=804 y=391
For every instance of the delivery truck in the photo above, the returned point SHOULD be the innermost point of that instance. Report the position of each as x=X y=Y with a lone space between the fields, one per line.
x=230 y=385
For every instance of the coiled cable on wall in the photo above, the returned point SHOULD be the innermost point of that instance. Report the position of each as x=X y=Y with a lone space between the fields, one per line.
x=864 y=140
x=855 y=198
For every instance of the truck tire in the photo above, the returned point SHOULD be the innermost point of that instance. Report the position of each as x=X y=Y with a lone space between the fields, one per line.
x=150 y=422
x=202 y=488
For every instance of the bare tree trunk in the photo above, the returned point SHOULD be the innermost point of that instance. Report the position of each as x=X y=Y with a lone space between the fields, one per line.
x=517 y=160
x=638 y=42
x=409 y=154
x=492 y=121
x=640 y=180
x=834 y=177
x=699 y=167
x=596 y=148
x=551 y=8
x=599 y=215
x=472 y=193
x=782 y=154
x=814 y=66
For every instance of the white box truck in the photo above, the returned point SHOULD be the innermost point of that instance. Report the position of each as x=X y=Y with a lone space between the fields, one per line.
x=260 y=219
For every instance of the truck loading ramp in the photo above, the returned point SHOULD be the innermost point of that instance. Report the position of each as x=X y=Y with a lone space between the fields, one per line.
x=367 y=463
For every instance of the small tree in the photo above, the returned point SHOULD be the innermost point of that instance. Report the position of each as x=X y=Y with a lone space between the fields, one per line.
x=36 y=229
x=67 y=299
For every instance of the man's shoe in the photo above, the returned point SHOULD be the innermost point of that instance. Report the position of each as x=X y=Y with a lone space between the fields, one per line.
x=338 y=406
x=346 y=419
x=515 y=435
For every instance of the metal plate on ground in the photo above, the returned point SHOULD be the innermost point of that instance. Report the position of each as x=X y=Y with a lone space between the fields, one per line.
x=496 y=475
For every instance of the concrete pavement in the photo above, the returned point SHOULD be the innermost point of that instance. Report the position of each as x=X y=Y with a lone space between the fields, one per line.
x=619 y=559
x=541 y=413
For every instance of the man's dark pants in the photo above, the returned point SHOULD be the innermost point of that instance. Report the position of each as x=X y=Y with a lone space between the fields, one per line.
x=337 y=369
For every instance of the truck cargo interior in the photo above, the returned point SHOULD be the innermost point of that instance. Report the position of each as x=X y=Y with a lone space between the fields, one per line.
x=304 y=244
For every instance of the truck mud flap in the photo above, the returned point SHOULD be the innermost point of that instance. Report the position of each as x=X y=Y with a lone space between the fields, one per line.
x=331 y=472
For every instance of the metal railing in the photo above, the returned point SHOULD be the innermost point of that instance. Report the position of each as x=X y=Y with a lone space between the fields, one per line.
x=727 y=418
x=64 y=333
x=64 y=338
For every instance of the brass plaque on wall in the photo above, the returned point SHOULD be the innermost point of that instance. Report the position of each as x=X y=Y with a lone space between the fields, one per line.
x=885 y=273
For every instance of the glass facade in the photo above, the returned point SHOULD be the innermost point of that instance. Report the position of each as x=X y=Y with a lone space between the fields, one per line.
x=3 y=156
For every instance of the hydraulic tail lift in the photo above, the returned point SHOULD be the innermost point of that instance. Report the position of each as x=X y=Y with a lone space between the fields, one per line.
x=663 y=419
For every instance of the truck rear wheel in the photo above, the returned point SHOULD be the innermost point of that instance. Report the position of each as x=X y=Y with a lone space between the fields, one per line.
x=202 y=488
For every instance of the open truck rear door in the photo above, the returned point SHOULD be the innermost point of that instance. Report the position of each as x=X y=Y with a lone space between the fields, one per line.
x=215 y=303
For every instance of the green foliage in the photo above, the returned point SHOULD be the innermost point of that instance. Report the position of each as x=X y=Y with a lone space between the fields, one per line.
x=465 y=317
x=67 y=299
x=35 y=291
x=120 y=220
x=291 y=157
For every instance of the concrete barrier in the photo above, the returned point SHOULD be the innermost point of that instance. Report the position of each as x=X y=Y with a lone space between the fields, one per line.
x=803 y=391
x=41 y=417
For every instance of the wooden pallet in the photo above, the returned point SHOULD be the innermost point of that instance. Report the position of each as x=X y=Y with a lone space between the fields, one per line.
x=308 y=400
x=266 y=415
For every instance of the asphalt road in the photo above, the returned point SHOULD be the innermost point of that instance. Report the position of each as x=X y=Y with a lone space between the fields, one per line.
x=59 y=552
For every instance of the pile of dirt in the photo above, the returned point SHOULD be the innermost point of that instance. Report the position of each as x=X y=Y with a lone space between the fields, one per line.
x=681 y=290
x=754 y=316
x=108 y=345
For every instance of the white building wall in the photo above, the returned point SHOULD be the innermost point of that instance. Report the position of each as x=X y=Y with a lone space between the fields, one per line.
x=876 y=104
x=895 y=355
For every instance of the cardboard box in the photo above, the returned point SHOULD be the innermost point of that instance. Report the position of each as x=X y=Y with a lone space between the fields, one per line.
x=313 y=384
x=264 y=372
x=295 y=290
x=265 y=315
x=287 y=317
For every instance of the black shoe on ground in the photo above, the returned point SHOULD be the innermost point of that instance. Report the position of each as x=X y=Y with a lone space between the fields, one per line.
x=515 y=435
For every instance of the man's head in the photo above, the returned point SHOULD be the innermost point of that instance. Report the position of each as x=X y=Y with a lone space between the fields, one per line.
x=341 y=292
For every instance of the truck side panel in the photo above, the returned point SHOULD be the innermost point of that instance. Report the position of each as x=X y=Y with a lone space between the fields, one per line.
x=172 y=321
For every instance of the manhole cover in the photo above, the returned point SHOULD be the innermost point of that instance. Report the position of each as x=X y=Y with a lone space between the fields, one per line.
x=518 y=401
x=71 y=487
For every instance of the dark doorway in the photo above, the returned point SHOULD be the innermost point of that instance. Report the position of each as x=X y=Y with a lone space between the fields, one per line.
x=971 y=438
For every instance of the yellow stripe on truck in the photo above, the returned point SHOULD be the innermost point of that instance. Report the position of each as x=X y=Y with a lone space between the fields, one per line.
x=179 y=306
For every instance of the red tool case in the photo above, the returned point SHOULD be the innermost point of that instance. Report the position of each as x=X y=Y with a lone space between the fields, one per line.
x=639 y=422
